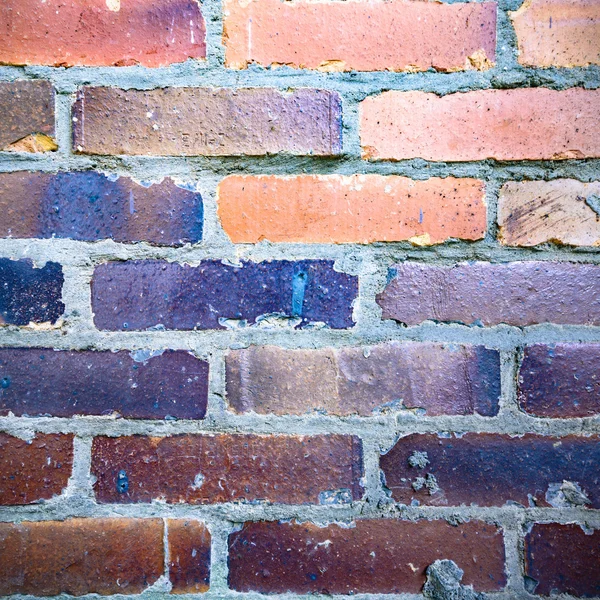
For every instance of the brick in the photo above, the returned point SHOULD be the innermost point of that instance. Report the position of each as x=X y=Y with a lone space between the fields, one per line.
x=27 y=115
x=563 y=559
x=80 y=556
x=89 y=206
x=518 y=293
x=36 y=469
x=558 y=33
x=207 y=121
x=100 y=32
x=520 y=124
x=560 y=380
x=435 y=378
x=360 y=36
x=228 y=468
x=137 y=295
x=357 y=208
x=139 y=384
x=492 y=470
x=376 y=556
x=189 y=556
x=29 y=294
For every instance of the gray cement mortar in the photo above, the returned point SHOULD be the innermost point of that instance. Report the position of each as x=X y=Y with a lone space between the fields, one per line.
x=370 y=263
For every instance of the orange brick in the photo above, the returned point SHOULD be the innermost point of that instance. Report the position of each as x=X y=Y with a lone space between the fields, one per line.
x=520 y=124
x=357 y=208
x=397 y=35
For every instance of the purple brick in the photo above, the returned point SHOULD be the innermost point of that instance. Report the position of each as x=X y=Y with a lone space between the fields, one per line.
x=88 y=206
x=29 y=294
x=38 y=382
x=519 y=293
x=137 y=295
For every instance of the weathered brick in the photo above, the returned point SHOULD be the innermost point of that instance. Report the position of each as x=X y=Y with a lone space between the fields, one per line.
x=519 y=124
x=518 y=293
x=139 y=384
x=491 y=470
x=205 y=469
x=100 y=32
x=558 y=33
x=565 y=211
x=560 y=380
x=189 y=556
x=36 y=469
x=360 y=36
x=436 y=378
x=89 y=206
x=29 y=294
x=357 y=208
x=27 y=115
x=207 y=121
x=377 y=556
x=136 y=295
x=563 y=559
x=80 y=556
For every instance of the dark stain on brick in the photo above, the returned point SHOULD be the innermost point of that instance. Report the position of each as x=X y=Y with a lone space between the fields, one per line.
x=189 y=556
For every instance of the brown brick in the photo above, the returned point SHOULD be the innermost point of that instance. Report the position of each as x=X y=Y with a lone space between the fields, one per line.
x=228 y=468
x=189 y=556
x=520 y=124
x=360 y=36
x=80 y=556
x=371 y=556
x=36 y=469
x=436 y=378
x=100 y=32
x=489 y=469
x=357 y=208
x=564 y=211
x=558 y=33
x=207 y=121
x=563 y=559
x=518 y=293
x=560 y=380
x=27 y=115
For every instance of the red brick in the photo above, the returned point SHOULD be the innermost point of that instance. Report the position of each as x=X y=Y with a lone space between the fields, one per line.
x=358 y=208
x=100 y=32
x=563 y=211
x=371 y=556
x=436 y=378
x=189 y=556
x=563 y=559
x=206 y=469
x=520 y=124
x=360 y=36
x=489 y=469
x=27 y=115
x=207 y=121
x=558 y=33
x=518 y=293
x=80 y=556
x=560 y=380
x=36 y=469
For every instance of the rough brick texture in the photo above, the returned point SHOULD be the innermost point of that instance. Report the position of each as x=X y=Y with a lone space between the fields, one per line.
x=36 y=469
x=215 y=122
x=89 y=206
x=382 y=556
x=358 y=208
x=432 y=378
x=518 y=293
x=227 y=468
x=522 y=124
x=397 y=35
x=189 y=556
x=139 y=384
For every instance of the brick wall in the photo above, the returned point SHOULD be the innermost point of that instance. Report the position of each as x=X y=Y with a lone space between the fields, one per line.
x=300 y=297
